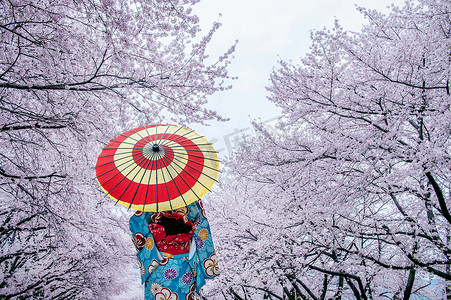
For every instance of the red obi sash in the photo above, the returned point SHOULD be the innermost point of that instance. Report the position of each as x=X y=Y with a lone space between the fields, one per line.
x=172 y=233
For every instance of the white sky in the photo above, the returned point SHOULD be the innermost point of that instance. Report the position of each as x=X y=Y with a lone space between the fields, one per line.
x=267 y=31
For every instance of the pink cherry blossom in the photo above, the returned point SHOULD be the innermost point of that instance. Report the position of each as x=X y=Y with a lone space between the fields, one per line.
x=73 y=74
x=351 y=200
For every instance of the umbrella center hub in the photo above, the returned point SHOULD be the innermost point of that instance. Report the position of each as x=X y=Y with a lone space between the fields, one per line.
x=152 y=150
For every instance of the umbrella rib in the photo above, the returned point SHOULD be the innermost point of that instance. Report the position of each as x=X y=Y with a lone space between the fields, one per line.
x=156 y=132
x=180 y=136
x=108 y=155
x=204 y=151
x=188 y=140
x=190 y=145
x=202 y=172
x=142 y=137
x=197 y=180
x=163 y=143
x=142 y=177
x=166 y=130
x=148 y=134
x=125 y=148
x=109 y=192
x=113 y=154
x=198 y=163
x=166 y=186
x=172 y=179
x=198 y=136
x=148 y=181
x=156 y=183
x=113 y=161
x=138 y=133
x=209 y=158
x=128 y=136
x=156 y=171
x=124 y=142
x=117 y=167
x=133 y=180
x=198 y=198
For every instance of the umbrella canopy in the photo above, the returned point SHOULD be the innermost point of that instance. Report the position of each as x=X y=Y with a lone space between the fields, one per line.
x=157 y=168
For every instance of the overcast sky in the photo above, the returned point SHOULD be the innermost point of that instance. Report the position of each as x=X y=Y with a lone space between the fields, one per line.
x=267 y=31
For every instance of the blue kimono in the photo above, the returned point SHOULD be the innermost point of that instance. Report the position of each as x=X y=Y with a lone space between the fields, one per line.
x=175 y=277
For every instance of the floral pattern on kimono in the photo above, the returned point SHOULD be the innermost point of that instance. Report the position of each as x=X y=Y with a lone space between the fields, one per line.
x=174 y=277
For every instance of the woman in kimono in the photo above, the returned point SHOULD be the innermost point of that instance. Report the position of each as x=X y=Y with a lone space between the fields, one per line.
x=175 y=252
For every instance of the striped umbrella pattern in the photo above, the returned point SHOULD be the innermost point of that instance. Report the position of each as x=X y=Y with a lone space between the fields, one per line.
x=157 y=168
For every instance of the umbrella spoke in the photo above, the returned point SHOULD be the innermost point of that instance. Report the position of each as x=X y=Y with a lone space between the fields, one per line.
x=190 y=139
x=165 y=185
x=142 y=177
x=195 y=177
x=108 y=155
x=203 y=151
x=168 y=138
x=188 y=165
x=183 y=179
x=172 y=179
x=125 y=148
x=128 y=136
x=197 y=156
x=148 y=134
x=109 y=192
x=178 y=137
x=167 y=128
x=180 y=143
x=137 y=132
x=190 y=145
x=125 y=142
x=148 y=182
x=128 y=185
x=131 y=160
x=156 y=185
x=156 y=132
x=120 y=158
x=195 y=162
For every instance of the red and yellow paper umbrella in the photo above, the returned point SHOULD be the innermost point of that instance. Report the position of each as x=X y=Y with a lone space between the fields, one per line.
x=157 y=168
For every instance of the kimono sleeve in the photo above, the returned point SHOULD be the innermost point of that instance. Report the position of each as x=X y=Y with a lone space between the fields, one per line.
x=205 y=257
x=145 y=245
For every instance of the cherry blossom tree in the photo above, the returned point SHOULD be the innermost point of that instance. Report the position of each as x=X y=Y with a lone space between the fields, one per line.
x=73 y=74
x=352 y=200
